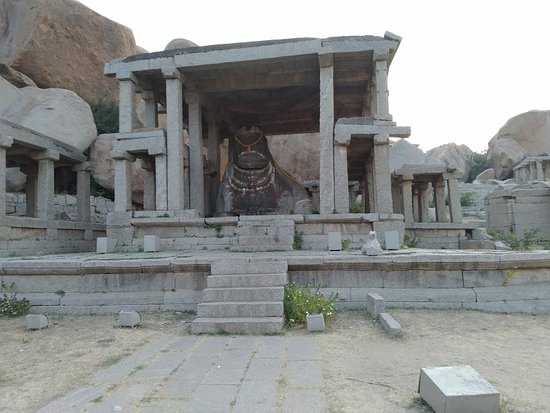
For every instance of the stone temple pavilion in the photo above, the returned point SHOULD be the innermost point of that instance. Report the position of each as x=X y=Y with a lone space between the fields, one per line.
x=337 y=87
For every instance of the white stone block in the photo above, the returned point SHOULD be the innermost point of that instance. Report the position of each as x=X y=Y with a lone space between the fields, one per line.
x=36 y=321
x=392 y=240
x=375 y=304
x=129 y=318
x=334 y=241
x=104 y=245
x=390 y=325
x=151 y=243
x=457 y=389
x=315 y=322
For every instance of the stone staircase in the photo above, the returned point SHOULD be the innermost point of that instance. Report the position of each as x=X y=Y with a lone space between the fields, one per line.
x=263 y=233
x=243 y=296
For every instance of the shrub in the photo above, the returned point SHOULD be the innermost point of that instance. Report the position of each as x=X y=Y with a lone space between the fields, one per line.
x=10 y=305
x=531 y=240
x=105 y=117
x=477 y=164
x=467 y=199
x=302 y=300
x=298 y=241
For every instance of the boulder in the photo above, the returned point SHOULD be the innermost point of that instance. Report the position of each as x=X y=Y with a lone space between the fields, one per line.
x=63 y=44
x=180 y=44
x=454 y=156
x=57 y=113
x=527 y=134
x=486 y=175
x=103 y=166
x=402 y=153
x=15 y=180
x=16 y=78
x=503 y=155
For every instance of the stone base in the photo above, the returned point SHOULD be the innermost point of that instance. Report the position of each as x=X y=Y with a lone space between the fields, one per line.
x=457 y=389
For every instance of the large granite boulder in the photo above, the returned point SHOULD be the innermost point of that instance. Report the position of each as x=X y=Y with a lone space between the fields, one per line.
x=16 y=78
x=454 y=156
x=57 y=113
x=403 y=153
x=503 y=155
x=103 y=166
x=63 y=44
x=527 y=134
x=180 y=44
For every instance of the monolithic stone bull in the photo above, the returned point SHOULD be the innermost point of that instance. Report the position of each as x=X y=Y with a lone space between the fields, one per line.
x=253 y=183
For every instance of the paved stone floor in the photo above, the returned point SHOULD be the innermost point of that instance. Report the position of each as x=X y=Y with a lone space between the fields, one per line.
x=207 y=374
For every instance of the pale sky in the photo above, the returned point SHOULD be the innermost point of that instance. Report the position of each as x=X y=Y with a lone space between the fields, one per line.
x=462 y=70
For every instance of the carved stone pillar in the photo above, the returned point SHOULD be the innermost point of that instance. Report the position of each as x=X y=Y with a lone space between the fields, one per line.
x=196 y=166
x=149 y=191
x=326 y=134
x=423 y=201
x=151 y=115
x=454 y=200
x=5 y=143
x=382 y=175
x=174 y=138
x=127 y=118
x=381 y=86
x=213 y=157
x=440 y=207
x=45 y=185
x=123 y=180
x=83 y=191
x=407 y=197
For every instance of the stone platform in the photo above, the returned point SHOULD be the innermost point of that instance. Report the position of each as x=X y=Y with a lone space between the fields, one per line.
x=498 y=281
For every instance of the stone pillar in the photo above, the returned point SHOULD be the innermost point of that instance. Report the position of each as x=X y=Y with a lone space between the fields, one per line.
x=213 y=157
x=83 y=191
x=30 y=188
x=149 y=190
x=369 y=178
x=540 y=172
x=174 y=138
x=123 y=180
x=45 y=185
x=161 y=199
x=382 y=175
x=341 y=190
x=196 y=166
x=151 y=115
x=439 y=195
x=5 y=143
x=407 y=198
x=454 y=200
x=416 y=204
x=423 y=201
x=326 y=134
x=381 y=86
x=127 y=118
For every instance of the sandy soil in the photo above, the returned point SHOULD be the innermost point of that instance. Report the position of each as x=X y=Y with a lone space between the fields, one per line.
x=365 y=370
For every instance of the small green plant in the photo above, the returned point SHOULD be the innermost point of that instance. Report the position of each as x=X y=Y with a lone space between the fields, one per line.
x=216 y=227
x=356 y=209
x=531 y=239
x=467 y=199
x=346 y=245
x=10 y=305
x=302 y=300
x=477 y=164
x=105 y=117
x=298 y=242
x=60 y=293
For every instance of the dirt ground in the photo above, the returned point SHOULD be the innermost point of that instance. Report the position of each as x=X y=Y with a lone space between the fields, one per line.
x=365 y=370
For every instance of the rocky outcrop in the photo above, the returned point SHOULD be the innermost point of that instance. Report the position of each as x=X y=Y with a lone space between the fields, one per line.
x=103 y=166
x=180 y=44
x=62 y=44
x=16 y=78
x=57 y=113
x=527 y=134
x=503 y=155
x=403 y=153
x=486 y=175
x=454 y=156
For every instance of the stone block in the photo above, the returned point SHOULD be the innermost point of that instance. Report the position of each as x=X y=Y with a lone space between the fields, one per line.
x=457 y=389
x=334 y=241
x=392 y=240
x=315 y=322
x=104 y=245
x=390 y=325
x=129 y=318
x=375 y=304
x=151 y=243
x=36 y=321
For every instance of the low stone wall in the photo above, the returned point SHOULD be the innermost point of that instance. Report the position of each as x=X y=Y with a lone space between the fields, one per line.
x=195 y=234
x=440 y=235
x=16 y=205
x=517 y=210
x=487 y=281
x=32 y=236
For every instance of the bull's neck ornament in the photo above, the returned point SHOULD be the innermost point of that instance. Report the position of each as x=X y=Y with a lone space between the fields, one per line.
x=248 y=147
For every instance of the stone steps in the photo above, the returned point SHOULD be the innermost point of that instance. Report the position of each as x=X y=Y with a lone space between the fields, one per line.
x=243 y=296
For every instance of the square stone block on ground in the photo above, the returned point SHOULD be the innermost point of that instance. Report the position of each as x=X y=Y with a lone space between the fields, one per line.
x=334 y=241
x=151 y=243
x=457 y=389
